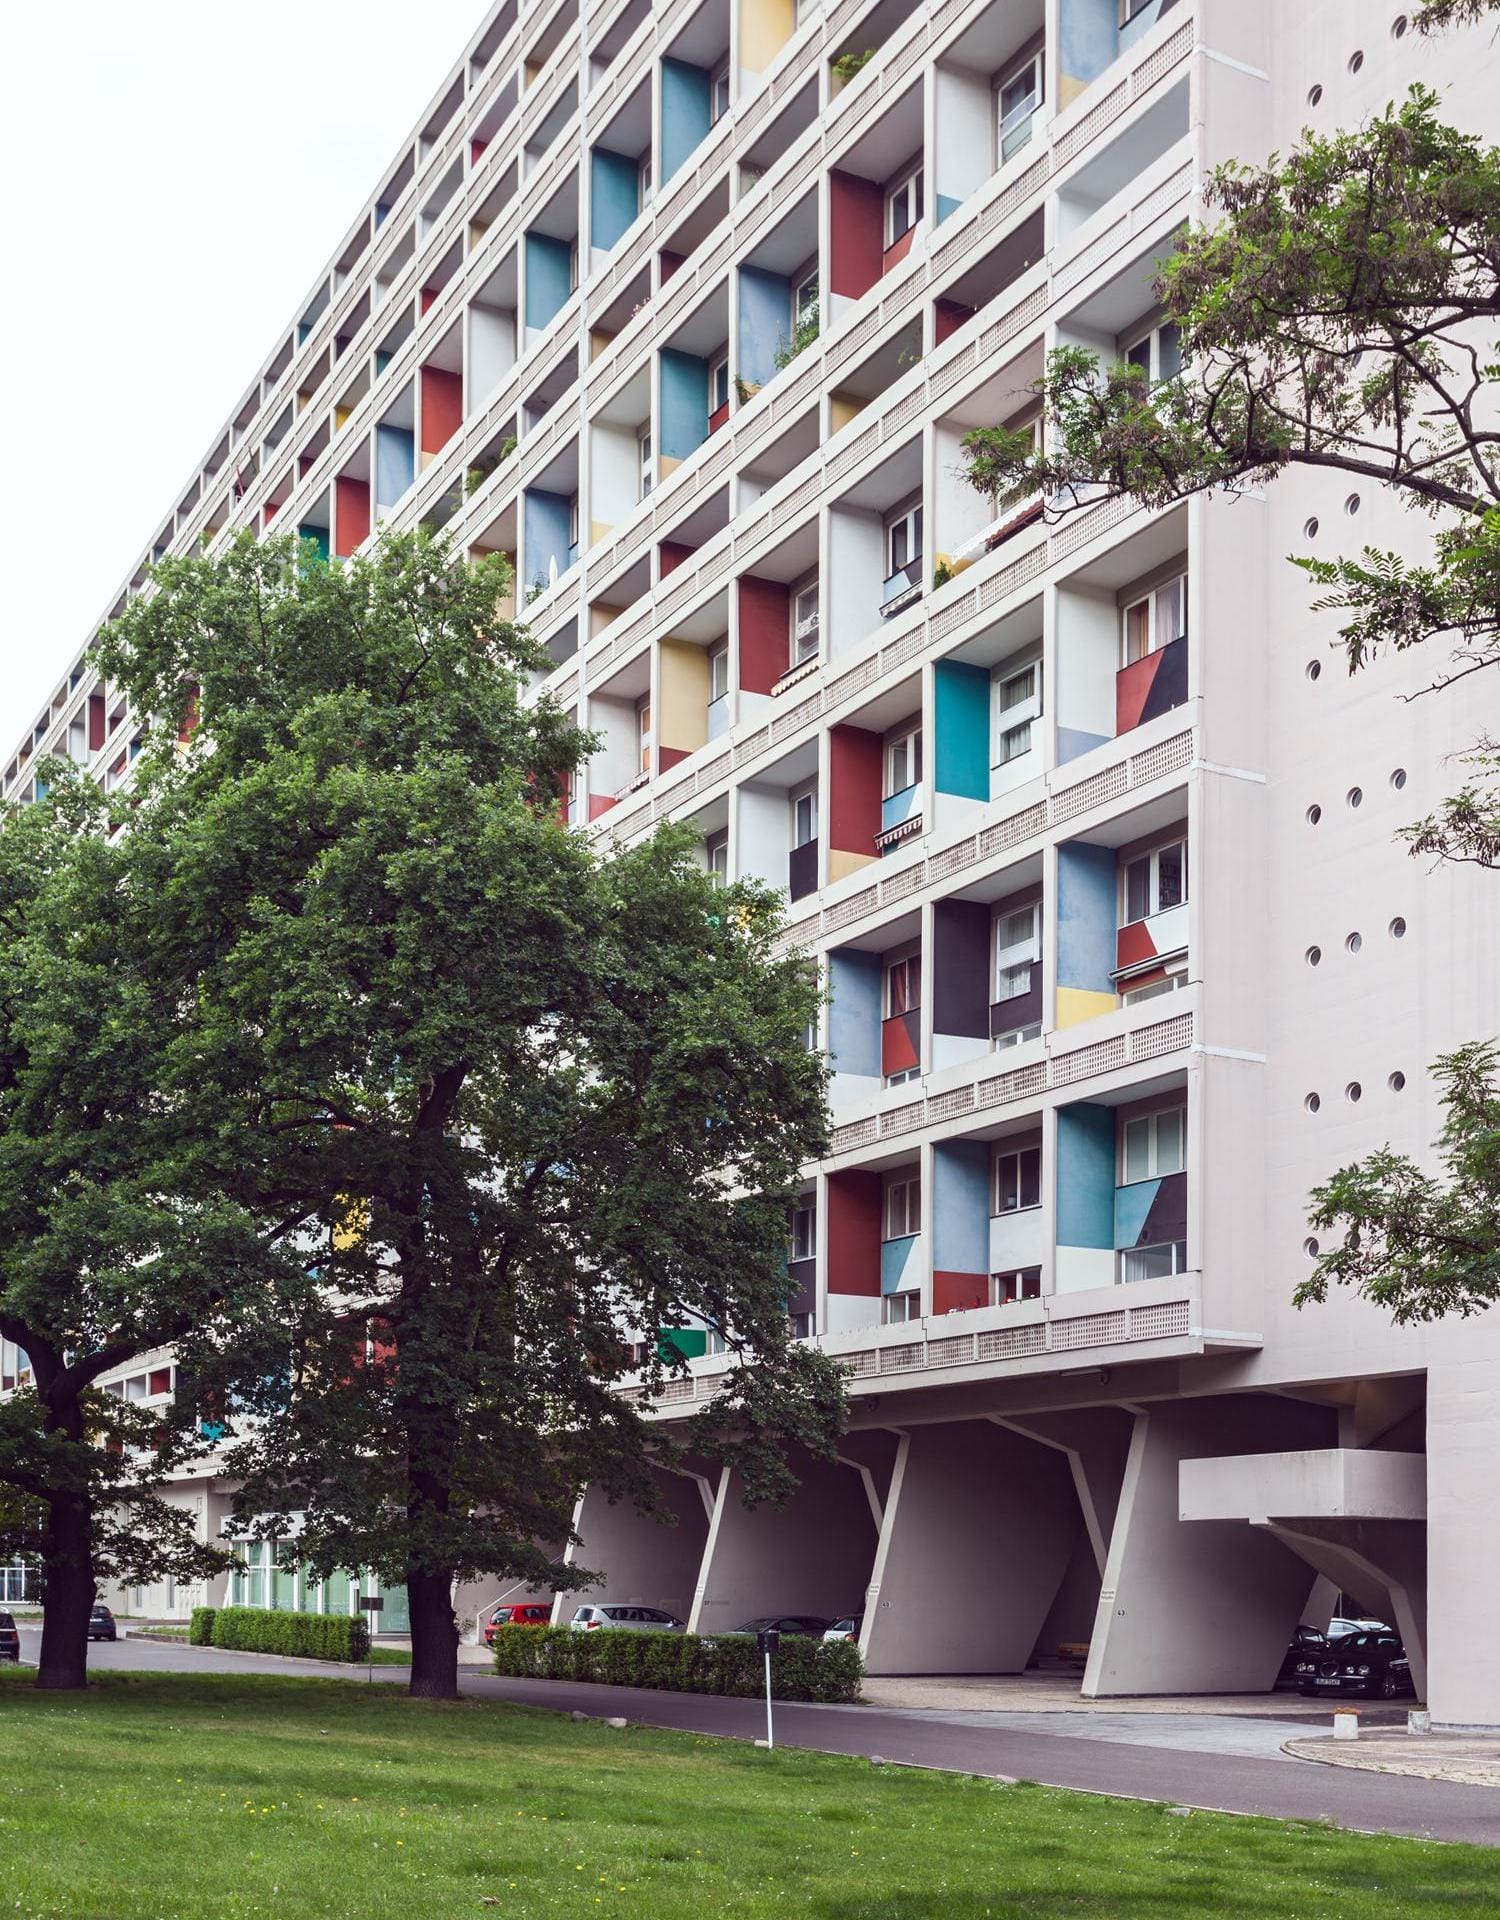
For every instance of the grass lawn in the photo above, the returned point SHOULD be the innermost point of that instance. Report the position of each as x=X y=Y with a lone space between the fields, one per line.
x=188 y=1797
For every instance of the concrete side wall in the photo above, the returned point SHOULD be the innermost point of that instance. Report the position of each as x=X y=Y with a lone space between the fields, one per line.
x=813 y=1555
x=650 y=1562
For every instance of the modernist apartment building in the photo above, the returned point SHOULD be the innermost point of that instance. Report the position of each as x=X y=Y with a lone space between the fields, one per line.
x=686 y=309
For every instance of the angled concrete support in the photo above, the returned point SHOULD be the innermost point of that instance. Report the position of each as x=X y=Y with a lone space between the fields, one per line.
x=652 y=1562
x=978 y=1533
x=1196 y=1607
x=812 y=1555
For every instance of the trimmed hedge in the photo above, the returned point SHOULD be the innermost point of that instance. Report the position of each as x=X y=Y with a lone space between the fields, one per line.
x=315 y=1636
x=802 y=1668
x=201 y=1627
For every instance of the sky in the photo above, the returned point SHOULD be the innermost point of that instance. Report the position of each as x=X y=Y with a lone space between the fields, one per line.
x=177 y=175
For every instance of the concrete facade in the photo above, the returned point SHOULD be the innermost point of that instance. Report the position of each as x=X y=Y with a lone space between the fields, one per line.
x=1172 y=966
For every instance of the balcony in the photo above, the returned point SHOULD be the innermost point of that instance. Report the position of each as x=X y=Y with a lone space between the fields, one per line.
x=1152 y=685
x=1144 y=947
x=900 y=818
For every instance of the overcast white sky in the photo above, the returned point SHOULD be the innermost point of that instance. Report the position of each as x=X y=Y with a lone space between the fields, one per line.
x=177 y=173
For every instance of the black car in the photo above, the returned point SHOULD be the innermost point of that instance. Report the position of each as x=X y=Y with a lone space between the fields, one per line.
x=102 y=1625
x=10 y=1639
x=808 y=1623
x=1372 y=1664
x=1305 y=1644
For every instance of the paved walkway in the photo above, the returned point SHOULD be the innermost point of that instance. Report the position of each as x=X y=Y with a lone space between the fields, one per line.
x=1463 y=1759
x=1209 y=1761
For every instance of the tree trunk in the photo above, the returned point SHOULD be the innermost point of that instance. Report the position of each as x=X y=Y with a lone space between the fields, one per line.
x=67 y=1594
x=434 y=1635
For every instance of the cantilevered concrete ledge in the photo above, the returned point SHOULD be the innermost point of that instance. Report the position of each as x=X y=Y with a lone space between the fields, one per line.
x=1329 y=1483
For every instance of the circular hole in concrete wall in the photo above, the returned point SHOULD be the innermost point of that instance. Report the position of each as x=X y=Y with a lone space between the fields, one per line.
x=1398 y=778
x=1353 y=1090
x=1312 y=1103
x=1314 y=668
x=1397 y=928
x=1355 y=795
x=1356 y=61
x=1314 y=814
x=1314 y=95
x=1313 y=956
x=1351 y=505
x=1399 y=26
x=1310 y=1248
x=1354 y=942
x=1310 y=528
x=1396 y=1081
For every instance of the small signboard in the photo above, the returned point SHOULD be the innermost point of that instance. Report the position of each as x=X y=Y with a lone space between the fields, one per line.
x=371 y=1603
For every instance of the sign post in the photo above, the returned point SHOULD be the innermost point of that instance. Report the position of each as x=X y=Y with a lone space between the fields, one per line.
x=370 y=1603
x=768 y=1640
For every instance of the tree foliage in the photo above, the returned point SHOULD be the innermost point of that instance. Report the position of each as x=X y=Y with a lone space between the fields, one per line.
x=526 y=1103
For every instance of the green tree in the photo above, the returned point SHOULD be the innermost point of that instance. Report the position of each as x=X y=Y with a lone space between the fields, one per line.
x=543 y=1101
x=116 y=1239
x=1339 y=315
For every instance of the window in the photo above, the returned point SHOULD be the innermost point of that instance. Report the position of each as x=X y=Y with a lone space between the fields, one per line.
x=1018 y=702
x=1018 y=1180
x=899 y=1308
x=643 y=734
x=804 y=622
x=714 y=1341
x=1153 y=1263
x=804 y=816
x=903 y=542
x=805 y=1230
x=800 y=1325
x=1169 y=984
x=903 y=206
x=643 y=183
x=1158 y=352
x=1025 y=1283
x=718 y=673
x=1156 y=881
x=1018 y=96
x=1153 y=1146
x=805 y=297
x=903 y=1208
x=1155 y=620
x=644 y=466
x=903 y=763
x=573 y=527
x=903 y=986
x=716 y=849
x=718 y=92
x=718 y=384
x=1018 y=946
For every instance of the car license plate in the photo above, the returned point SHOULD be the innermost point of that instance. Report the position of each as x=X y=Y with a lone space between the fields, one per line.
x=1327 y=1680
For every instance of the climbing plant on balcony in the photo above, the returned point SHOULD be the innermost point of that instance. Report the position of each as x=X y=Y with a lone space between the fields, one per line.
x=538 y=1100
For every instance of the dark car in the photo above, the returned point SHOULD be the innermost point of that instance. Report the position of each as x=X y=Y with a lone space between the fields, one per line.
x=813 y=1624
x=1370 y=1664
x=1305 y=1643
x=849 y=1628
x=102 y=1625
x=10 y=1639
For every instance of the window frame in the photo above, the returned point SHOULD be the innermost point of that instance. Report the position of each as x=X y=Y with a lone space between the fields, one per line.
x=1153 y=338
x=1017 y=1158
x=716 y=856
x=804 y=1210
x=1034 y=65
x=911 y=1307
x=801 y=305
x=644 y=734
x=1151 y=861
x=807 y=793
x=909 y=1186
x=645 y=181
x=645 y=462
x=903 y=750
x=908 y=190
x=1150 y=602
x=1025 y=713
x=1156 y=1169
x=905 y=968
x=718 y=375
x=815 y=638
x=718 y=78
x=905 y=519
x=1028 y=1287
x=718 y=658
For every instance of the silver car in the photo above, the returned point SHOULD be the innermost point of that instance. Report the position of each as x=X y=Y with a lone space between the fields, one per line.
x=641 y=1619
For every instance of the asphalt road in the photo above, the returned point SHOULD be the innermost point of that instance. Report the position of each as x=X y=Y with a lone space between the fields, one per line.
x=1205 y=1761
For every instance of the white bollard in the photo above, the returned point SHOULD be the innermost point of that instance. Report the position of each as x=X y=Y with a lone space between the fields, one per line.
x=1419 y=1720
x=1345 y=1724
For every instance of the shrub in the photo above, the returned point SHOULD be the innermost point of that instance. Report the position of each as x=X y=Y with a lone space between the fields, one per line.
x=311 y=1636
x=803 y=1668
x=201 y=1627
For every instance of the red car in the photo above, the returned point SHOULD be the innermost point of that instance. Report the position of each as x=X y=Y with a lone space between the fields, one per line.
x=525 y=1613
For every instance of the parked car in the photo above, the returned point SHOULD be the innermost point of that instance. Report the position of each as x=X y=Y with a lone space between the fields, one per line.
x=642 y=1619
x=1304 y=1644
x=1372 y=1664
x=10 y=1638
x=813 y=1624
x=1341 y=1624
x=102 y=1625
x=520 y=1613
x=848 y=1628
